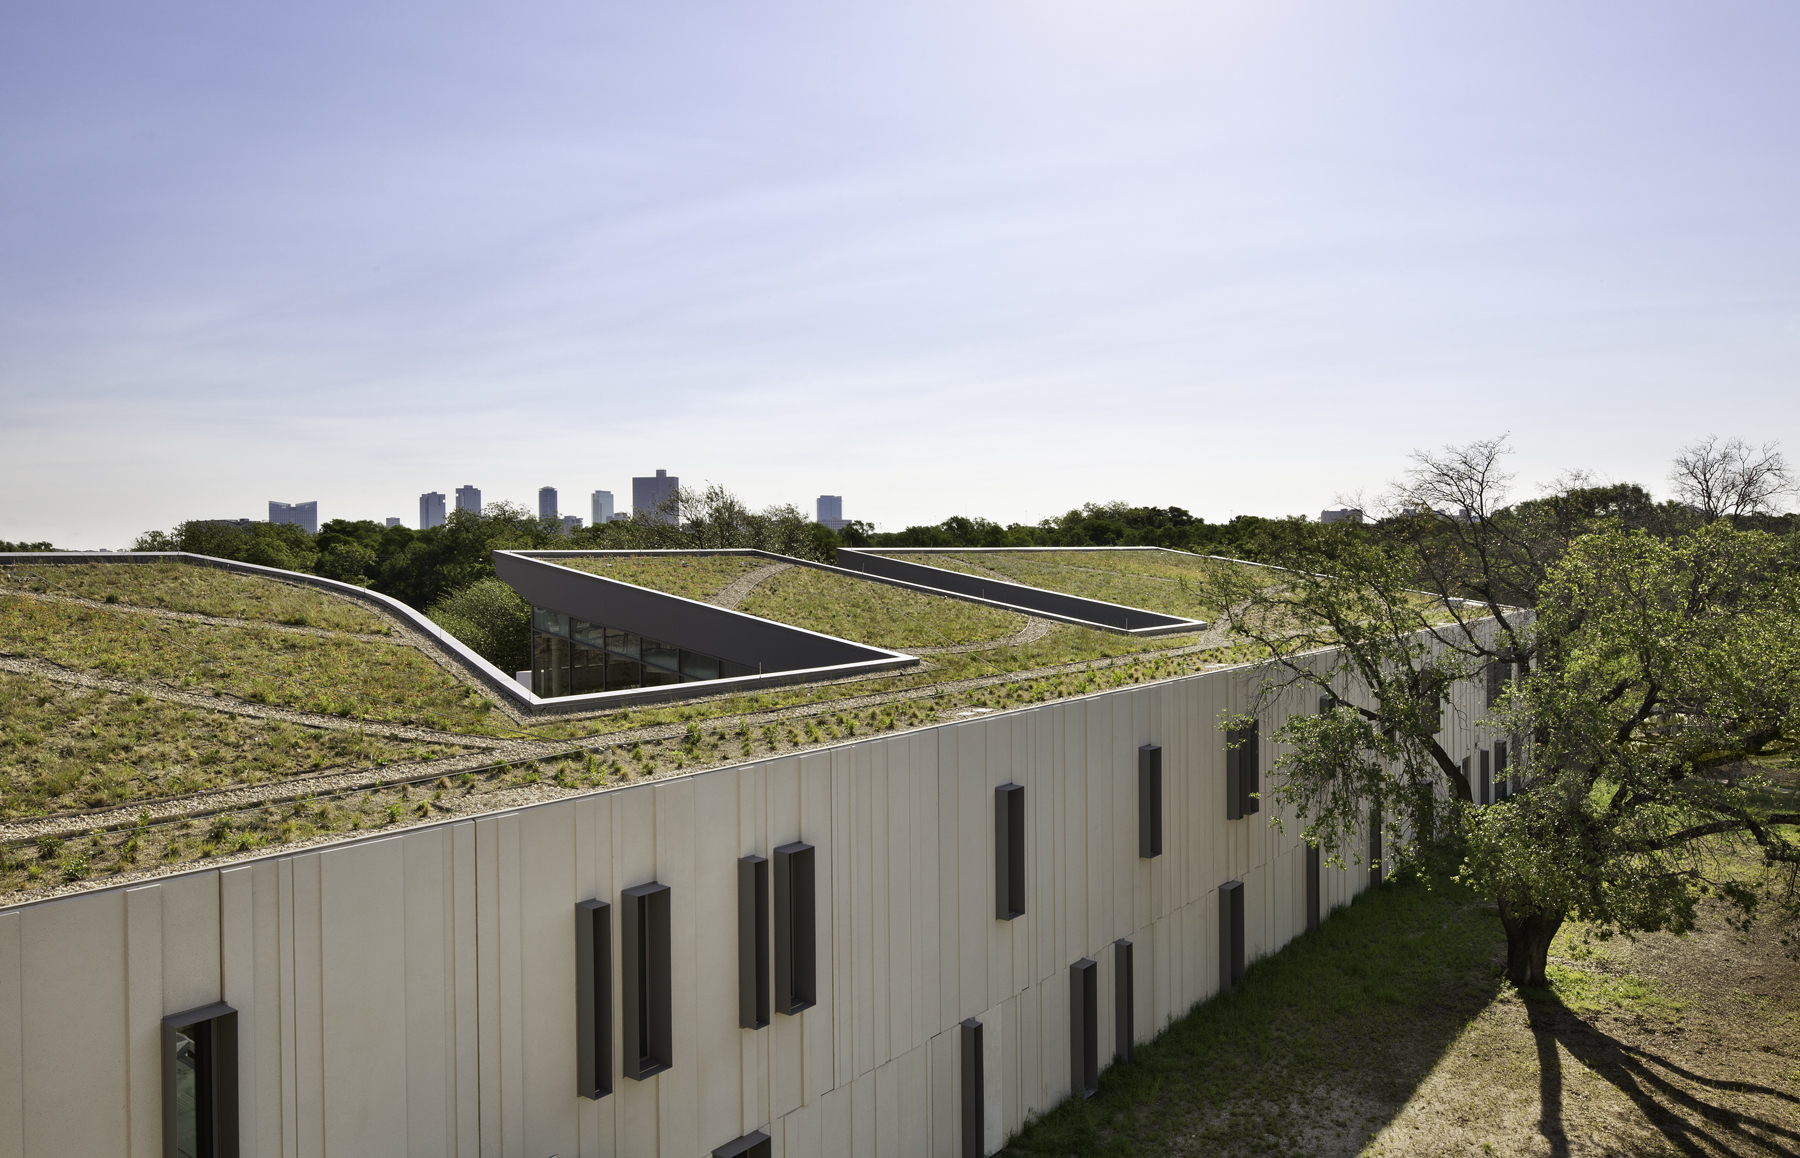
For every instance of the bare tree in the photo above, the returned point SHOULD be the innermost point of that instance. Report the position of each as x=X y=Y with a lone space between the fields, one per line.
x=1729 y=478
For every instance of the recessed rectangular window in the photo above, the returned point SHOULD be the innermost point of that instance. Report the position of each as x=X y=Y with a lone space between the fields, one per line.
x=973 y=1089
x=1314 y=867
x=796 y=929
x=1487 y=777
x=1124 y=1002
x=1498 y=676
x=1501 y=777
x=1150 y=826
x=593 y=999
x=753 y=942
x=200 y=1083
x=1084 y=1027
x=1375 y=865
x=1009 y=851
x=1243 y=771
x=1231 y=934
x=752 y=1145
x=648 y=1005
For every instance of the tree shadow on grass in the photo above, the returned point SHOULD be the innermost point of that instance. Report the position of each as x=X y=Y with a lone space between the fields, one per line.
x=1313 y=1052
x=1672 y=1098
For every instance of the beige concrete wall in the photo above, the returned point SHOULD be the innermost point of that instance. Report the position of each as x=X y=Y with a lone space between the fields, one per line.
x=414 y=994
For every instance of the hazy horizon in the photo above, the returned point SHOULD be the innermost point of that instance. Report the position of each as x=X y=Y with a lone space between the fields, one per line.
x=997 y=259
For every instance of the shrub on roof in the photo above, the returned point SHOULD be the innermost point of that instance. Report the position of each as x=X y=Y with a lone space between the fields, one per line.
x=491 y=619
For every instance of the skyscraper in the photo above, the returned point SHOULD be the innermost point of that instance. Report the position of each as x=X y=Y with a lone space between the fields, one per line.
x=831 y=511
x=431 y=510
x=603 y=508
x=393 y=522
x=547 y=503
x=303 y=515
x=571 y=523
x=657 y=497
x=469 y=499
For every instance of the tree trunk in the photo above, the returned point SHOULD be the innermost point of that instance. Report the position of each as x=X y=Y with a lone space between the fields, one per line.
x=1528 y=945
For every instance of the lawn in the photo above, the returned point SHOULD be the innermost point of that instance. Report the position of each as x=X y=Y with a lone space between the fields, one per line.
x=1163 y=581
x=64 y=748
x=876 y=613
x=202 y=590
x=337 y=675
x=690 y=576
x=1390 y=1031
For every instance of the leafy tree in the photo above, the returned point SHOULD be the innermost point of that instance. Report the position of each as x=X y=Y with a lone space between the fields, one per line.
x=23 y=546
x=491 y=619
x=1664 y=663
x=1378 y=622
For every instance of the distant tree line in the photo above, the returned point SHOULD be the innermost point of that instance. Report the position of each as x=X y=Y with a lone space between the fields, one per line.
x=23 y=546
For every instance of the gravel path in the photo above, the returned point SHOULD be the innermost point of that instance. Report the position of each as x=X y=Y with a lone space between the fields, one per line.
x=740 y=588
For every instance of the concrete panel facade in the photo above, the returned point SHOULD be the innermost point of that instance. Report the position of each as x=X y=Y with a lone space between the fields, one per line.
x=414 y=993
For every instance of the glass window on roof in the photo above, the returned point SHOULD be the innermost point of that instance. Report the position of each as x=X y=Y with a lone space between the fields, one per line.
x=587 y=670
x=622 y=673
x=655 y=677
x=661 y=655
x=622 y=642
x=555 y=622
x=587 y=634
x=695 y=666
x=727 y=669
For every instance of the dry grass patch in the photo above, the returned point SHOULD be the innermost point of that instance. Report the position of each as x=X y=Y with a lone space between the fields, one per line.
x=64 y=749
x=200 y=590
x=876 y=613
x=336 y=675
x=697 y=577
x=1163 y=581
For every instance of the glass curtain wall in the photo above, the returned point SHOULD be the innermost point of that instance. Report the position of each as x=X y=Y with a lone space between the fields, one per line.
x=570 y=657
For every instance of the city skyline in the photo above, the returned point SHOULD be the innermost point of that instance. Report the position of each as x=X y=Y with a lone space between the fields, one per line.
x=1215 y=230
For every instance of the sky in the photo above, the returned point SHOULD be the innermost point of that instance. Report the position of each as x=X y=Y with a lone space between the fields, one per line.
x=992 y=258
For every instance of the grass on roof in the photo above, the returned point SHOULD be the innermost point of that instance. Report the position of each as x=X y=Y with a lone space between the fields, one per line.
x=1163 y=581
x=65 y=749
x=201 y=590
x=690 y=576
x=876 y=613
x=336 y=675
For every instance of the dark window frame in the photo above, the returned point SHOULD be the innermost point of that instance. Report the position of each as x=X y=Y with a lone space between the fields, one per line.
x=1124 y=1002
x=1243 y=770
x=593 y=999
x=216 y=1085
x=753 y=942
x=1009 y=852
x=1231 y=934
x=974 y=1089
x=796 y=928
x=1150 y=801
x=647 y=998
x=1084 y=1027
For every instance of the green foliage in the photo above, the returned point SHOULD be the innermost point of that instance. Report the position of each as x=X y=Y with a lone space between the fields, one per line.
x=280 y=545
x=1663 y=663
x=491 y=619
x=24 y=546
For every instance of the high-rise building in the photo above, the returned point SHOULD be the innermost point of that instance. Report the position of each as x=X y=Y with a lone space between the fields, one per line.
x=304 y=515
x=657 y=497
x=547 y=503
x=603 y=508
x=571 y=523
x=469 y=499
x=393 y=522
x=831 y=511
x=1346 y=515
x=431 y=510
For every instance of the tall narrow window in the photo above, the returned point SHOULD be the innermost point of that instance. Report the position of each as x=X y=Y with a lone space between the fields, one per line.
x=1499 y=674
x=1501 y=778
x=1231 y=934
x=648 y=1000
x=1431 y=703
x=1375 y=865
x=973 y=1089
x=753 y=942
x=1084 y=1028
x=200 y=1083
x=755 y=1144
x=593 y=999
x=1150 y=826
x=1243 y=771
x=1314 y=886
x=796 y=929
x=1487 y=778
x=1009 y=851
x=1124 y=1002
